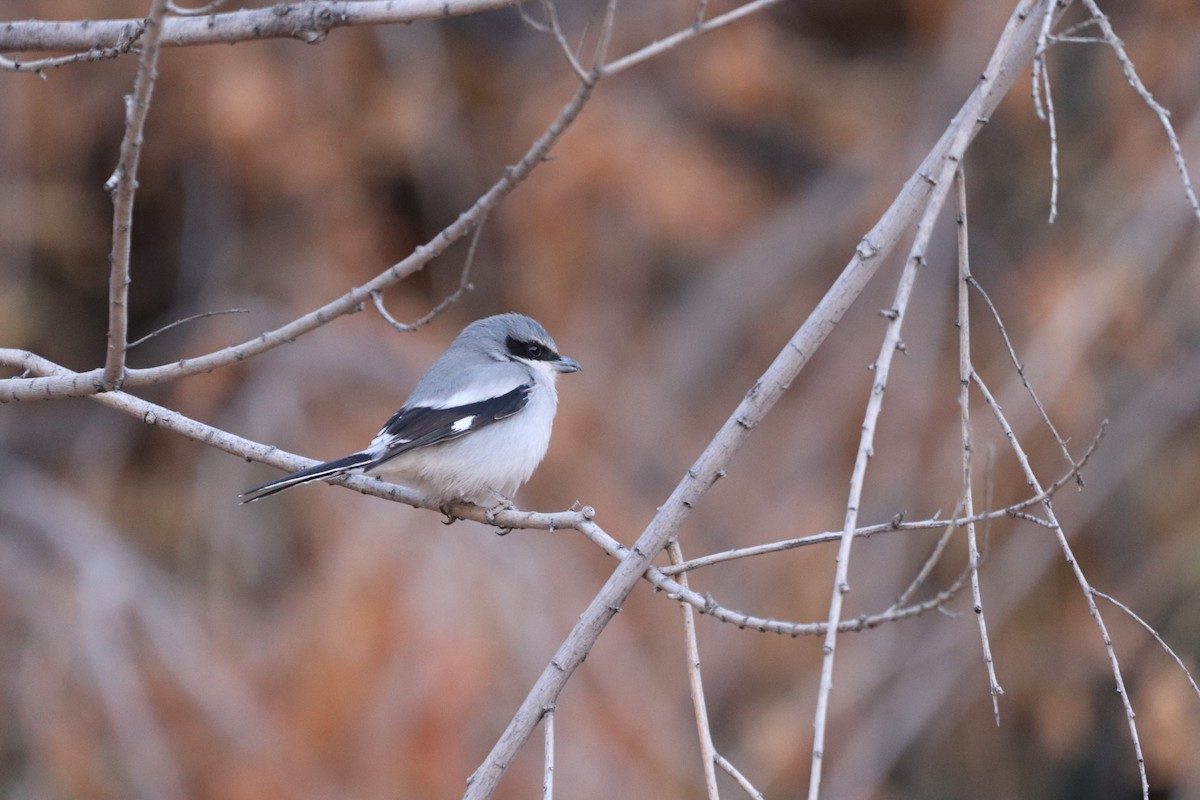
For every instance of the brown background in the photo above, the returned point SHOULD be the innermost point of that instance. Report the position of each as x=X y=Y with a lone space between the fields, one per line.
x=156 y=638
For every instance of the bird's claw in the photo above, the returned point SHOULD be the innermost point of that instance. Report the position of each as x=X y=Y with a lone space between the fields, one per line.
x=489 y=515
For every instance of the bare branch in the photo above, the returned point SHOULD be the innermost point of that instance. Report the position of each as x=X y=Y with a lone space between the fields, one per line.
x=1150 y=629
x=896 y=524
x=866 y=446
x=708 y=753
x=1043 y=101
x=674 y=40
x=309 y=21
x=1042 y=78
x=551 y=11
x=1012 y=354
x=604 y=38
x=1080 y=578
x=123 y=185
x=185 y=320
x=964 y=399
x=746 y=785
x=80 y=384
x=1164 y=116
x=548 y=766
x=464 y=286
x=934 y=557
x=39 y=65
x=1012 y=53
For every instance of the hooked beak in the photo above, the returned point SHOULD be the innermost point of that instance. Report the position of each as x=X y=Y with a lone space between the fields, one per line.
x=565 y=364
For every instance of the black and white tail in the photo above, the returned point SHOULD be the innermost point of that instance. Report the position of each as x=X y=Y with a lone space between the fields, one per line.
x=330 y=469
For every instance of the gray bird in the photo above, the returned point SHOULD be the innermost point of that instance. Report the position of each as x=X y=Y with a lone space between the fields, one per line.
x=474 y=428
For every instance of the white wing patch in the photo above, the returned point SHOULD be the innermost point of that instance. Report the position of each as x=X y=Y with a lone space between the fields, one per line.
x=462 y=424
x=382 y=441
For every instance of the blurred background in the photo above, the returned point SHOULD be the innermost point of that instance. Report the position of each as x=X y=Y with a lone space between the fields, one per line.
x=159 y=641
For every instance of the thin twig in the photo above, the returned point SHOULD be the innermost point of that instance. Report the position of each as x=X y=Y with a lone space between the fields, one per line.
x=184 y=11
x=1164 y=116
x=1052 y=123
x=708 y=753
x=123 y=185
x=935 y=556
x=1058 y=37
x=964 y=399
x=1012 y=355
x=551 y=11
x=884 y=527
x=1043 y=101
x=741 y=779
x=79 y=384
x=192 y=318
x=1150 y=629
x=674 y=40
x=527 y=18
x=464 y=286
x=604 y=39
x=40 y=65
x=1080 y=578
x=841 y=581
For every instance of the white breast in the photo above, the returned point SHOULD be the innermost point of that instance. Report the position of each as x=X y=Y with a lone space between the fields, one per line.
x=489 y=464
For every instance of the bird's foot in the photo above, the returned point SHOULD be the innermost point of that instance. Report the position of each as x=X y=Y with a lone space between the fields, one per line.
x=504 y=504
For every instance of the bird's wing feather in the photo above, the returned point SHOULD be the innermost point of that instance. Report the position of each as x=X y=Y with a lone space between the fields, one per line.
x=420 y=426
x=315 y=473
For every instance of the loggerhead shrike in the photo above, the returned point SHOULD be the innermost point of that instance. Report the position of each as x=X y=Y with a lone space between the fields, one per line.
x=474 y=428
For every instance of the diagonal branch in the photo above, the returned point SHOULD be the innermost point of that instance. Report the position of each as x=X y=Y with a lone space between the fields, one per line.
x=1164 y=116
x=1012 y=54
x=80 y=384
x=1089 y=594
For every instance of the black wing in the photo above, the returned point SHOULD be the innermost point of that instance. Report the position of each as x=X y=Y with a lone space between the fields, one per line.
x=421 y=426
x=408 y=429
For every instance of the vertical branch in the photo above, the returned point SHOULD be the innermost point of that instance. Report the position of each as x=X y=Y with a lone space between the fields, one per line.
x=1089 y=594
x=695 y=681
x=123 y=185
x=548 y=769
x=1041 y=89
x=964 y=400
x=841 y=580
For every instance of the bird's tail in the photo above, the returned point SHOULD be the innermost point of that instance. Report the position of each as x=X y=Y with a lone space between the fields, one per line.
x=329 y=469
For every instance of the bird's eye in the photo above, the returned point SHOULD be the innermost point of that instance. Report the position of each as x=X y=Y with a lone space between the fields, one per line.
x=534 y=351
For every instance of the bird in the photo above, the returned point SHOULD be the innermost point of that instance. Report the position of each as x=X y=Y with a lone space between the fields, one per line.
x=475 y=426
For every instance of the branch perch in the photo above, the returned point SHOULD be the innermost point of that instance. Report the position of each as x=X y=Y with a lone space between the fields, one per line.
x=307 y=20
